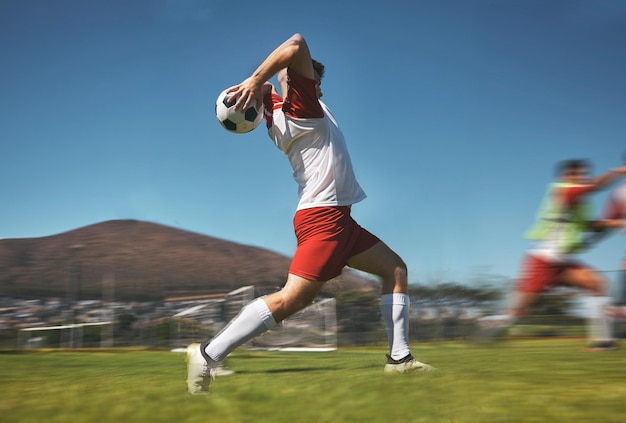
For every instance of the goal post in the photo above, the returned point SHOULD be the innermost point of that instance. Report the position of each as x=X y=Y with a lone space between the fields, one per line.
x=70 y=335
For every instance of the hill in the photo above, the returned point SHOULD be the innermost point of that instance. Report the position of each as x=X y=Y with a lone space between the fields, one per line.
x=147 y=261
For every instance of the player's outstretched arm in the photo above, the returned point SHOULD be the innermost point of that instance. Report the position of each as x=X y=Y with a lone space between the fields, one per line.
x=605 y=179
x=292 y=53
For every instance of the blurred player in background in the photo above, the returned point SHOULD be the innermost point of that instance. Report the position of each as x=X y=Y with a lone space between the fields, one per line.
x=305 y=130
x=563 y=221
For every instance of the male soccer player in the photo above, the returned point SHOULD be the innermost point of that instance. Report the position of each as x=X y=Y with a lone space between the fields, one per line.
x=305 y=130
x=563 y=220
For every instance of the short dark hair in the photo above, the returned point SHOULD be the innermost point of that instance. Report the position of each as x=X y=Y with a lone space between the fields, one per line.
x=572 y=164
x=318 y=67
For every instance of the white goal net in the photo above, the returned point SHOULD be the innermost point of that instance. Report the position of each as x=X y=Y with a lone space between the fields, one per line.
x=193 y=320
x=312 y=329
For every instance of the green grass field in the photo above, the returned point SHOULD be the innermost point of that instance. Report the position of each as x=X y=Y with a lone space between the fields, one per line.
x=514 y=381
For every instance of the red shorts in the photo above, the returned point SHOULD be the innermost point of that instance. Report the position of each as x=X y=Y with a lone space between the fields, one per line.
x=539 y=275
x=327 y=238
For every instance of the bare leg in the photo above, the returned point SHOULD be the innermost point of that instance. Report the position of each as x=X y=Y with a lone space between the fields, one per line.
x=586 y=278
x=520 y=303
x=293 y=297
x=381 y=261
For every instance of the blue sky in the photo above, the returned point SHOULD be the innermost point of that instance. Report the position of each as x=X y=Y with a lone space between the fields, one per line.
x=455 y=113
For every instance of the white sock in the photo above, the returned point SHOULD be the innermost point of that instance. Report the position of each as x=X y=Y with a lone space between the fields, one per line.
x=254 y=319
x=395 y=311
x=599 y=325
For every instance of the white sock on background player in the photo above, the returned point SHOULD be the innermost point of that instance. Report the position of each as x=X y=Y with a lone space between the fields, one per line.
x=599 y=325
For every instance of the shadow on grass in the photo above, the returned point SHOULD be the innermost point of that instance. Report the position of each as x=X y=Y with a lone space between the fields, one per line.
x=290 y=370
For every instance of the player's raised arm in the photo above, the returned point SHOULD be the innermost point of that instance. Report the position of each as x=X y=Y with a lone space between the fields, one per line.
x=292 y=53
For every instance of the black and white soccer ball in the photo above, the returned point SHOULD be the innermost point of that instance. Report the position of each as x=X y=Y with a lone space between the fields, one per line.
x=237 y=121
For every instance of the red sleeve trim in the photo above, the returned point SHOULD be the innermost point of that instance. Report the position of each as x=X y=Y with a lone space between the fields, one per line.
x=302 y=101
x=271 y=102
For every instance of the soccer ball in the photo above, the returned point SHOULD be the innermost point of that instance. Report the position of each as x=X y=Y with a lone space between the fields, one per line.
x=236 y=121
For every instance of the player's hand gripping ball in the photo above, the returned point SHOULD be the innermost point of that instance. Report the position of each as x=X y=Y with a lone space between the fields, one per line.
x=237 y=121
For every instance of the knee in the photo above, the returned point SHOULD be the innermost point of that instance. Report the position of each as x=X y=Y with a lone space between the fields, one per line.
x=397 y=279
x=284 y=305
x=400 y=272
x=401 y=267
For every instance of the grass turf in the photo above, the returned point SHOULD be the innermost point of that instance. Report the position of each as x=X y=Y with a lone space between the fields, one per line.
x=514 y=381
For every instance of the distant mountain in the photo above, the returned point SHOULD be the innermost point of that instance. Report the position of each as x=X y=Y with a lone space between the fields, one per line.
x=145 y=261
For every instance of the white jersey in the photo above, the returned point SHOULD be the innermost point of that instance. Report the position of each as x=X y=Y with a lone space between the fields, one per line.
x=318 y=155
